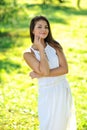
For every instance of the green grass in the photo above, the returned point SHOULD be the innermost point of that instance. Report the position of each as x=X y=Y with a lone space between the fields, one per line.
x=18 y=93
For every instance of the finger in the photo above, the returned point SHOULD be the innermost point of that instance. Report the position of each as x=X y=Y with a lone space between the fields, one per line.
x=37 y=37
x=30 y=74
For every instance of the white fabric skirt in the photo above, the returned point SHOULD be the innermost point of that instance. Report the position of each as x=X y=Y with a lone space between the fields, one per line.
x=55 y=106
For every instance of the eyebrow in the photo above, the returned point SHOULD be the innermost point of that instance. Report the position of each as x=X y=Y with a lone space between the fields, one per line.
x=41 y=25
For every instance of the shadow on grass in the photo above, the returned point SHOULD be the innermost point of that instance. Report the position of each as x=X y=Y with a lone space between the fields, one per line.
x=55 y=13
x=48 y=9
x=6 y=43
x=20 y=16
x=8 y=65
x=9 y=40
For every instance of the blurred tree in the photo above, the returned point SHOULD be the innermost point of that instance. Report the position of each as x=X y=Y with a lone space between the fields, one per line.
x=2 y=2
x=61 y=1
x=8 y=11
x=14 y=2
x=44 y=1
x=78 y=3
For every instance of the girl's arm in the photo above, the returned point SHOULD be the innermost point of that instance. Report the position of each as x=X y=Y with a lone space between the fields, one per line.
x=40 y=67
x=61 y=70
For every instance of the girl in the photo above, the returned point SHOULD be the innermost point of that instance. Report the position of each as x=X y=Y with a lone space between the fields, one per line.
x=49 y=66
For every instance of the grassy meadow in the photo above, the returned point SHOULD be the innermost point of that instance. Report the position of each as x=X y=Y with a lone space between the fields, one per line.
x=18 y=92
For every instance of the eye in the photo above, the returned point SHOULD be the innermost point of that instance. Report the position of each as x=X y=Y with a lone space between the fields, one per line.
x=39 y=27
x=46 y=27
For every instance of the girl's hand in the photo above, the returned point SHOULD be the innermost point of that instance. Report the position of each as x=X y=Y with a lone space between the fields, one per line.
x=38 y=42
x=33 y=75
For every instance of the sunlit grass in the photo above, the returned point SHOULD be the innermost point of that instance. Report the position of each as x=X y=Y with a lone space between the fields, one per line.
x=18 y=93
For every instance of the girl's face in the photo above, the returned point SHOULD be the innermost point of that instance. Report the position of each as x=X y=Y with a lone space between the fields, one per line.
x=41 y=29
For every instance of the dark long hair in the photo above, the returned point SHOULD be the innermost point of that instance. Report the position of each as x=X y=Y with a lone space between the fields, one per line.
x=49 y=39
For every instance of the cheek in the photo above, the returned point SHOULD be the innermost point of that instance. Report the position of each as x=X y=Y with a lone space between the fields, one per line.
x=34 y=32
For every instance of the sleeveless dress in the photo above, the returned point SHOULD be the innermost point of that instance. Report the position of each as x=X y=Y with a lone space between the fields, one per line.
x=55 y=105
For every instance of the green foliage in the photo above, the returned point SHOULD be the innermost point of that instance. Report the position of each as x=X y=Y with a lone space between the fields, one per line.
x=2 y=2
x=18 y=92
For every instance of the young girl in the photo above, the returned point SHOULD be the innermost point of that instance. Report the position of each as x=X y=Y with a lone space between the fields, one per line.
x=49 y=66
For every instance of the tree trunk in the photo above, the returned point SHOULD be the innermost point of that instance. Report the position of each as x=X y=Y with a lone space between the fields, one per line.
x=78 y=3
x=61 y=1
x=14 y=2
x=44 y=1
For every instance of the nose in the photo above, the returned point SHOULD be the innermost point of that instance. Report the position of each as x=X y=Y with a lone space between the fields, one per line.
x=43 y=29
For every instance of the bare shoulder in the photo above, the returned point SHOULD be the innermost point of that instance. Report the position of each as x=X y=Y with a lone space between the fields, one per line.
x=59 y=52
x=28 y=52
x=31 y=60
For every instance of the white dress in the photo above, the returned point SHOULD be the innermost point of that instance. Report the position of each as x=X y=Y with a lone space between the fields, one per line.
x=55 y=105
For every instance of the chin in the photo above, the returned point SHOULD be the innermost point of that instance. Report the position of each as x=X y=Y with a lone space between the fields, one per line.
x=43 y=37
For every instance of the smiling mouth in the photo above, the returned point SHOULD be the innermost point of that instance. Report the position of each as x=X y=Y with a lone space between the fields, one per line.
x=43 y=33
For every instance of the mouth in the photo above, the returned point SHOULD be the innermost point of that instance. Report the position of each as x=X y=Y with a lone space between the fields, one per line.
x=42 y=33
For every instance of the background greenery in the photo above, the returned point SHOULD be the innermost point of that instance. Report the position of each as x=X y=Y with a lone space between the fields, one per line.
x=18 y=93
